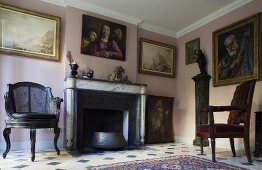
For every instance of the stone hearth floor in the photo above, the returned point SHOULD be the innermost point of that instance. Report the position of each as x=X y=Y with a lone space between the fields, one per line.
x=48 y=160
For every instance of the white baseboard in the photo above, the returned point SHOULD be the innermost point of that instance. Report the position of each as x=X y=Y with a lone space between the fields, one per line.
x=220 y=143
x=39 y=145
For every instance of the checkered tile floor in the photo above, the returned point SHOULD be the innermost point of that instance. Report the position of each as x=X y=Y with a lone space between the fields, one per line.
x=48 y=160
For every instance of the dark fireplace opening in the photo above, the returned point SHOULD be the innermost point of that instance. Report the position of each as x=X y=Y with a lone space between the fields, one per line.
x=96 y=120
x=105 y=111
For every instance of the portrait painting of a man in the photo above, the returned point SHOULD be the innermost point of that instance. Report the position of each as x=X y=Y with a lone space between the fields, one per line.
x=237 y=59
x=235 y=54
x=103 y=38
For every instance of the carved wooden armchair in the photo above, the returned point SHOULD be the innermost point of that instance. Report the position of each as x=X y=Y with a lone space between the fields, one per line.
x=32 y=106
x=238 y=122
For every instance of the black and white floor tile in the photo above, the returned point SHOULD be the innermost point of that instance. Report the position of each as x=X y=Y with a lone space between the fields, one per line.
x=48 y=160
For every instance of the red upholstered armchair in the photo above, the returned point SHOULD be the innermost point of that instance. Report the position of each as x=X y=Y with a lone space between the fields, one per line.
x=238 y=122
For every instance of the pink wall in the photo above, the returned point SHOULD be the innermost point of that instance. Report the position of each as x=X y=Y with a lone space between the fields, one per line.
x=101 y=66
x=15 y=68
x=157 y=85
x=184 y=85
x=49 y=73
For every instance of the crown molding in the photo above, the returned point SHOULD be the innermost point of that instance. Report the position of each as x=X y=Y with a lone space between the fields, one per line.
x=56 y=2
x=156 y=29
x=103 y=11
x=223 y=11
x=81 y=4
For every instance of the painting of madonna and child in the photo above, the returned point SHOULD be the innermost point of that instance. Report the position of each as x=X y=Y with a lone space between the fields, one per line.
x=103 y=38
x=158 y=119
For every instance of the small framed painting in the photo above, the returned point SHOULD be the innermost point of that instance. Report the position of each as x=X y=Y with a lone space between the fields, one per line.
x=158 y=124
x=190 y=47
x=157 y=58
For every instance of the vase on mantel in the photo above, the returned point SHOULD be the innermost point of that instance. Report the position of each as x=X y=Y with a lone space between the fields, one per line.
x=74 y=68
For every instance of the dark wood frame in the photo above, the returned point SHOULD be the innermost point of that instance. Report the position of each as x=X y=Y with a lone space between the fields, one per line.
x=155 y=48
x=238 y=29
x=158 y=124
x=189 y=50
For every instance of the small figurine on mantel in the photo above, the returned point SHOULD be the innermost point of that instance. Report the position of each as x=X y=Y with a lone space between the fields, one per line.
x=118 y=75
x=90 y=73
x=201 y=61
x=73 y=65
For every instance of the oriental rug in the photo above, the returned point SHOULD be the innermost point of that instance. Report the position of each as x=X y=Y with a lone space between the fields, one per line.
x=184 y=162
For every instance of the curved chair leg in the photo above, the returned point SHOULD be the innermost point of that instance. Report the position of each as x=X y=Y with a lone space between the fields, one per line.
x=57 y=133
x=232 y=146
x=247 y=149
x=213 y=144
x=6 y=133
x=32 y=138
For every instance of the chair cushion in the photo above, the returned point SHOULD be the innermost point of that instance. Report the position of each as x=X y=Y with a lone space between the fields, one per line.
x=32 y=115
x=220 y=128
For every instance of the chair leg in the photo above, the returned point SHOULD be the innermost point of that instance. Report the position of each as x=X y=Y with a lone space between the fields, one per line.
x=202 y=145
x=232 y=146
x=213 y=145
x=6 y=133
x=247 y=149
x=57 y=133
x=32 y=138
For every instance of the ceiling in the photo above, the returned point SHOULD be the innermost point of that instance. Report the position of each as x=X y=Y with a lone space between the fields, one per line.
x=169 y=17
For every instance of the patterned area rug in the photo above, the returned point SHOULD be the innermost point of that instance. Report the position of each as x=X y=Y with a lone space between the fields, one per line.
x=184 y=162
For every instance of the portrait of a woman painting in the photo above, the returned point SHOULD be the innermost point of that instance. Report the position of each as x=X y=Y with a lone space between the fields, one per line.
x=103 y=38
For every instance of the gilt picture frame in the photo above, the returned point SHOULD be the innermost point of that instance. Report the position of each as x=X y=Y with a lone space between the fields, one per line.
x=29 y=33
x=237 y=52
x=189 y=50
x=157 y=58
x=158 y=123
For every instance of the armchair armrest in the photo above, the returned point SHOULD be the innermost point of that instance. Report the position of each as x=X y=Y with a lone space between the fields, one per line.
x=211 y=109
x=8 y=105
x=58 y=101
x=220 y=108
x=54 y=106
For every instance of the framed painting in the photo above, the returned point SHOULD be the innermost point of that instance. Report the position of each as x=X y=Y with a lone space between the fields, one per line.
x=157 y=58
x=28 y=33
x=103 y=38
x=158 y=123
x=190 y=47
x=237 y=51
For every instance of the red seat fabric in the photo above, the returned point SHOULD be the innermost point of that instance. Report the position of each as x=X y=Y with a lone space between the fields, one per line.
x=220 y=128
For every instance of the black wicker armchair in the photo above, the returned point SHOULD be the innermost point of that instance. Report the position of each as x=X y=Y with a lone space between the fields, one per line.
x=32 y=106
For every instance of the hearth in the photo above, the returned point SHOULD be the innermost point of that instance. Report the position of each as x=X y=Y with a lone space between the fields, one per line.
x=98 y=120
x=93 y=106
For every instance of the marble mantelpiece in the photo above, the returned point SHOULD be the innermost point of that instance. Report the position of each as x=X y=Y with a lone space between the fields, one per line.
x=75 y=86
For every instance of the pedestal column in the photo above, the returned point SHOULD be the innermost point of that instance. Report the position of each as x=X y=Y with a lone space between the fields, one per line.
x=201 y=101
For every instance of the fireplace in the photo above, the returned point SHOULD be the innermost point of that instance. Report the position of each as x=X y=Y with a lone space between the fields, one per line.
x=93 y=105
x=101 y=120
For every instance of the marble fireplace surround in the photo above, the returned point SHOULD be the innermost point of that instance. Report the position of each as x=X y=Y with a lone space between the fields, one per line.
x=88 y=94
